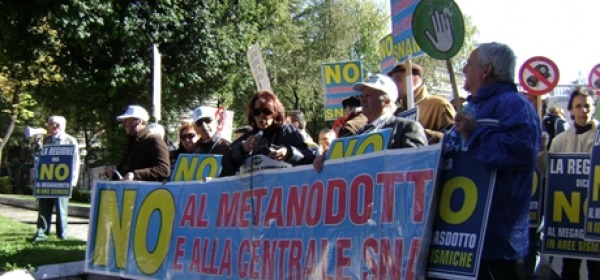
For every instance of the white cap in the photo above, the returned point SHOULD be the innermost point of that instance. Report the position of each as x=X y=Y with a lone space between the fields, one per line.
x=204 y=112
x=135 y=112
x=379 y=82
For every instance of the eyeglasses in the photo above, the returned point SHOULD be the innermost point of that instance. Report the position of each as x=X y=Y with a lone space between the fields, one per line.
x=258 y=111
x=187 y=136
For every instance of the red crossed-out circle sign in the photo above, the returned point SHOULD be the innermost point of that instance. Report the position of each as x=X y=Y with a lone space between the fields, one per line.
x=594 y=78
x=539 y=75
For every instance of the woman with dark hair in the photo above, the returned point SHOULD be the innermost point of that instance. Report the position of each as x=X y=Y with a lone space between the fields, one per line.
x=188 y=141
x=579 y=138
x=270 y=136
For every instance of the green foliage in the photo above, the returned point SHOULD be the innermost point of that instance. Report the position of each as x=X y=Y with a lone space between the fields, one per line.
x=79 y=195
x=6 y=186
x=88 y=59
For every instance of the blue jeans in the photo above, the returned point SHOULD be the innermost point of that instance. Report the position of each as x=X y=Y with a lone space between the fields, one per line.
x=44 y=221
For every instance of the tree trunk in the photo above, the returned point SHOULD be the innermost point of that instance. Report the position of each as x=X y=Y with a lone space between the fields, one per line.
x=13 y=120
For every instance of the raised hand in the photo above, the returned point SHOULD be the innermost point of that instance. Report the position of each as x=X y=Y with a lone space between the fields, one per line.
x=442 y=37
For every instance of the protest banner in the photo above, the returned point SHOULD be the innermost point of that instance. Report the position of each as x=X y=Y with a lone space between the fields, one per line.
x=359 y=144
x=405 y=46
x=196 y=167
x=535 y=207
x=54 y=171
x=338 y=79
x=362 y=217
x=466 y=189
x=564 y=210
x=592 y=215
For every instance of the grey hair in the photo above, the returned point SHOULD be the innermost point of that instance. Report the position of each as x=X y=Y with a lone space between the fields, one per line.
x=501 y=57
x=391 y=105
x=60 y=120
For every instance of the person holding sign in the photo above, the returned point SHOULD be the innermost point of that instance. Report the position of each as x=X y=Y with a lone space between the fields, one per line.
x=578 y=139
x=377 y=99
x=146 y=156
x=211 y=141
x=435 y=113
x=502 y=132
x=57 y=136
x=270 y=136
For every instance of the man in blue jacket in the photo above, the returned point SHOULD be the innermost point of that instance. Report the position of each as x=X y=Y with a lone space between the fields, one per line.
x=502 y=131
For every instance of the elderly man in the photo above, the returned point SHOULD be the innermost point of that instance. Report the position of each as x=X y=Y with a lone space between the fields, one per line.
x=146 y=156
x=56 y=136
x=210 y=139
x=377 y=100
x=502 y=131
x=435 y=113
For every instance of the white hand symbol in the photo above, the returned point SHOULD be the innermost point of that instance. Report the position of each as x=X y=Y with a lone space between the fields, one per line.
x=442 y=38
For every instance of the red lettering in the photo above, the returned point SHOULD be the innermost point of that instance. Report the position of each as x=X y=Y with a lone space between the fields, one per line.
x=188 y=212
x=414 y=249
x=245 y=209
x=362 y=198
x=196 y=261
x=393 y=269
x=243 y=265
x=370 y=251
x=179 y=253
x=335 y=196
x=419 y=178
x=388 y=180
x=342 y=261
x=274 y=208
x=282 y=245
x=315 y=205
x=310 y=261
x=268 y=263
x=296 y=205
x=295 y=264
x=226 y=259
x=209 y=268
x=201 y=222
x=258 y=194
x=227 y=215
x=254 y=259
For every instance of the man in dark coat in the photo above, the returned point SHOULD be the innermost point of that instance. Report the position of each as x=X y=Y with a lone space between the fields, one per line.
x=146 y=156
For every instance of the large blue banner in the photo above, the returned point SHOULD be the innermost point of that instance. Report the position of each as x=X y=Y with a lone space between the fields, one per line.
x=459 y=228
x=566 y=193
x=592 y=217
x=54 y=171
x=362 y=217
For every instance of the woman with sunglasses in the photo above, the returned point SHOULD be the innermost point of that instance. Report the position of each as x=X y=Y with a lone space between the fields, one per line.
x=188 y=141
x=270 y=136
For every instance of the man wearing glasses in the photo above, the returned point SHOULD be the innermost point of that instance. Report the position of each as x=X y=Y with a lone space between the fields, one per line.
x=211 y=141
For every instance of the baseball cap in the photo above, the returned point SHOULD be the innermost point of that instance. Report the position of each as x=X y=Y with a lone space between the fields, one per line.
x=134 y=112
x=204 y=112
x=379 y=82
x=401 y=67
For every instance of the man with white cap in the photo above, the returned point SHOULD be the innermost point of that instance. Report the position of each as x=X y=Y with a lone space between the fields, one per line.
x=146 y=156
x=57 y=136
x=210 y=141
x=378 y=95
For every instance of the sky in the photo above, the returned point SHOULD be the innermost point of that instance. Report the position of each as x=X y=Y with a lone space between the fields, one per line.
x=564 y=31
